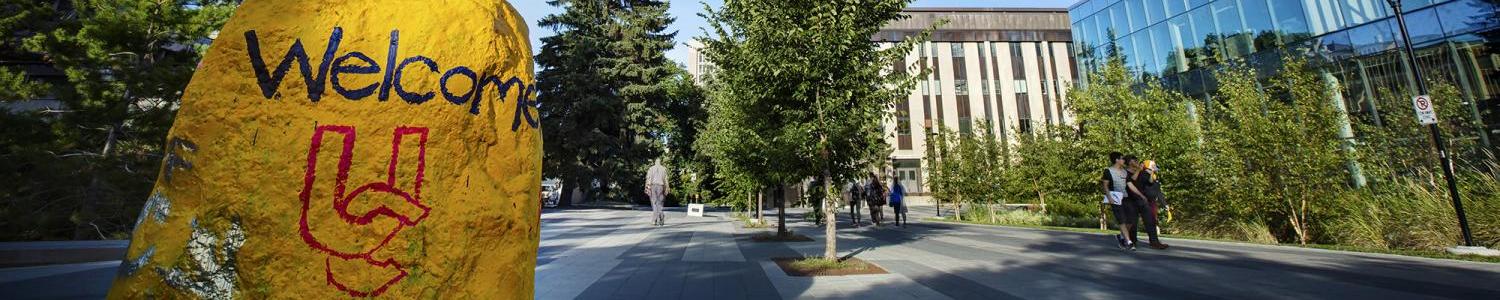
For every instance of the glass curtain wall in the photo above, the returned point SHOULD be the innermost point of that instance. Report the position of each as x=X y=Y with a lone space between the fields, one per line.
x=1180 y=42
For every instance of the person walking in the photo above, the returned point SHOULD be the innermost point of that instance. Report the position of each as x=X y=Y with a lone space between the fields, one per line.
x=1113 y=183
x=875 y=195
x=1146 y=188
x=656 y=189
x=898 y=205
x=854 y=193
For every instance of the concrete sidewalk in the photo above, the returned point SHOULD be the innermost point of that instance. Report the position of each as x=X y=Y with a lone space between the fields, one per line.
x=615 y=254
x=594 y=254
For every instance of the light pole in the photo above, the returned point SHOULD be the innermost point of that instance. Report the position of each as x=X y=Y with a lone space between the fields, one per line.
x=1437 y=138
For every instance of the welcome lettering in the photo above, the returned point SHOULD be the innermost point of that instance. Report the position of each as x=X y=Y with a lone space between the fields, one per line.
x=354 y=62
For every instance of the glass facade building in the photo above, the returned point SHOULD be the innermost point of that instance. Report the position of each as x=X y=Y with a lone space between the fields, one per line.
x=1357 y=42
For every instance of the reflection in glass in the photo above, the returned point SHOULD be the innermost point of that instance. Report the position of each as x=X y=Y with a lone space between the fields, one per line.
x=1323 y=15
x=1374 y=37
x=1464 y=16
x=1424 y=26
x=1361 y=11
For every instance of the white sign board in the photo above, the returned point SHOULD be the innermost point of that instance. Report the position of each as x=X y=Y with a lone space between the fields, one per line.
x=1423 y=105
x=695 y=210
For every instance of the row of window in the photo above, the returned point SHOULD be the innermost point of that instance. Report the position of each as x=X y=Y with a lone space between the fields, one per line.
x=1131 y=15
x=1211 y=33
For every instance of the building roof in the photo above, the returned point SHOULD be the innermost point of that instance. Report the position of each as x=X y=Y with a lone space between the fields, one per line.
x=985 y=19
x=985 y=9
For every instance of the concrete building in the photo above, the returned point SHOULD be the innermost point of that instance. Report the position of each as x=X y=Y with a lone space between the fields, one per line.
x=1005 y=68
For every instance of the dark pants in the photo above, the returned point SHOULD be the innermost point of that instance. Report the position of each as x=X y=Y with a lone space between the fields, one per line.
x=854 y=211
x=900 y=209
x=1147 y=213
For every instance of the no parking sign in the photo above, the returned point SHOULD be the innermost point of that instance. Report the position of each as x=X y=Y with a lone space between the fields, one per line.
x=1423 y=105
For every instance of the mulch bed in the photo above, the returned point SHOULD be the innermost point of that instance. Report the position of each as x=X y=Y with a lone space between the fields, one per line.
x=766 y=237
x=855 y=267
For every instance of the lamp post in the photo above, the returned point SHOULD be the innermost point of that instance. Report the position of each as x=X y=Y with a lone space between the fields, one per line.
x=1438 y=141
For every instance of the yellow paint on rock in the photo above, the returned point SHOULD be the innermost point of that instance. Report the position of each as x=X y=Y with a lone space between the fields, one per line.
x=404 y=182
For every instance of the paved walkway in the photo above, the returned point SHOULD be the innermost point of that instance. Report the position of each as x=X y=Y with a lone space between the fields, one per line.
x=611 y=254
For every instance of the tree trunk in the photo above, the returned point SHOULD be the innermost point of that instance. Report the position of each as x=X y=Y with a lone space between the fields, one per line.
x=760 y=207
x=992 y=212
x=565 y=194
x=830 y=224
x=781 y=211
x=94 y=193
x=958 y=208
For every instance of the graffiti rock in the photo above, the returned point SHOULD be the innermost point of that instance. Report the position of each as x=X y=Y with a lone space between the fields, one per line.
x=373 y=148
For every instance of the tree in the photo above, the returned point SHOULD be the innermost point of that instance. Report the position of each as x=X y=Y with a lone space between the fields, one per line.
x=1283 y=142
x=638 y=66
x=576 y=101
x=682 y=118
x=125 y=63
x=803 y=90
x=601 y=76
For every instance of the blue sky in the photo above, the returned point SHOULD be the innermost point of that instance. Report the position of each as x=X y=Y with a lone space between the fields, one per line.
x=689 y=25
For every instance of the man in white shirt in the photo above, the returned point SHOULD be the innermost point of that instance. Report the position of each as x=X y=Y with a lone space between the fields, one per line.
x=656 y=188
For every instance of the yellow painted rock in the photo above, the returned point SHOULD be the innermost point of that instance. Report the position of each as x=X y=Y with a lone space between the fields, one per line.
x=350 y=148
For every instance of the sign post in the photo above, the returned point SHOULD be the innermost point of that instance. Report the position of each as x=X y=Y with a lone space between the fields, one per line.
x=1423 y=105
x=1425 y=114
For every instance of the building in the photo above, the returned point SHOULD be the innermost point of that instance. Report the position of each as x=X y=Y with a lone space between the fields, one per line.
x=1354 y=43
x=1005 y=68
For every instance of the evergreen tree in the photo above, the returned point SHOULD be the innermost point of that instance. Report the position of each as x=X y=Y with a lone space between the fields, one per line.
x=600 y=78
x=577 y=103
x=125 y=64
x=637 y=65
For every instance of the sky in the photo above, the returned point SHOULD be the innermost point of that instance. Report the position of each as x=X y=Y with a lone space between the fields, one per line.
x=690 y=25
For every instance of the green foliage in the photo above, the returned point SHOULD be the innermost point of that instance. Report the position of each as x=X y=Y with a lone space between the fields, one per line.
x=965 y=166
x=604 y=80
x=1275 y=152
x=801 y=91
x=1263 y=161
x=84 y=172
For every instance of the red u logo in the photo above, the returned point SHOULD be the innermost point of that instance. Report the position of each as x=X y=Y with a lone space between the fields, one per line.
x=324 y=197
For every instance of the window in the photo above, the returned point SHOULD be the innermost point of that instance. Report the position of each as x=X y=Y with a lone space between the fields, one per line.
x=1023 y=112
x=903 y=125
x=961 y=86
x=1137 y=11
x=1361 y=11
x=1231 y=29
x=1291 y=21
x=1017 y=62
x=958 y=49
x=1020 y=86
x=1175 y=7
x=1323 y=16
x=1463 y=16
x=1181 y=41
x=1161 y=47
x=1374 y=37
x=1424 y=26
x=1117 y=20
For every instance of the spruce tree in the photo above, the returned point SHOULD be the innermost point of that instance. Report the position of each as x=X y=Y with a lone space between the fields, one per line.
x=601 y=77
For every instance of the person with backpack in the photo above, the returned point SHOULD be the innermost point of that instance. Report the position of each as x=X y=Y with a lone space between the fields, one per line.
x=1145 y=187
x=875 y=196
x=1113 y=183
